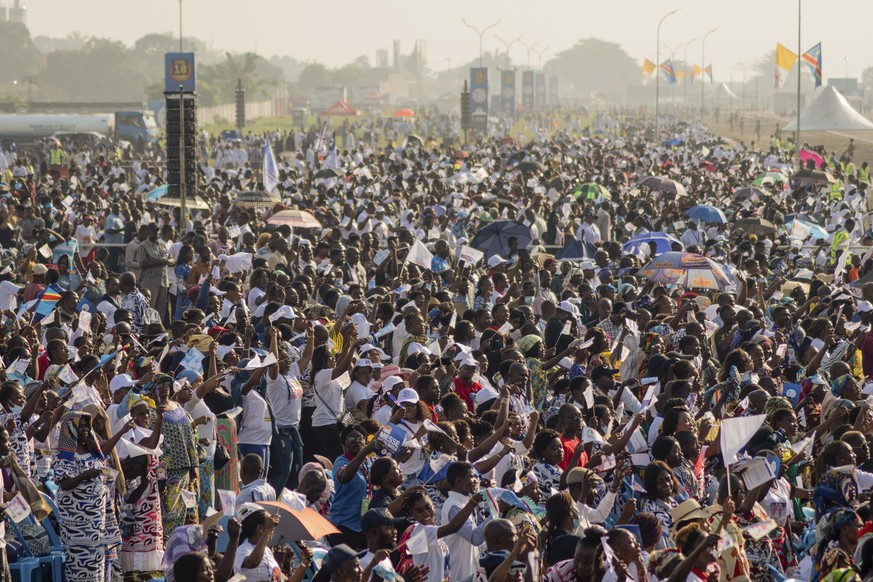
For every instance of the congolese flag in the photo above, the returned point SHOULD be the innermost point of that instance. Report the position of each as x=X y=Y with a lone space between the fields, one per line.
x=47 y=302
x=668 y=71
x=812 y=58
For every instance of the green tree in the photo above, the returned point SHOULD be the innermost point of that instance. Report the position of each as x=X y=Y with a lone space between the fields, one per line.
x=594 y=65
x=314 y=75
x=20 y=57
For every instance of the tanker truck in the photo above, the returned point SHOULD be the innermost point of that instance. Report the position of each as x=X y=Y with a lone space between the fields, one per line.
x=136 y=127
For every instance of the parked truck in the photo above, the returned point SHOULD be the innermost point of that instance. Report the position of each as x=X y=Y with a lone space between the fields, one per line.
x=136 y=127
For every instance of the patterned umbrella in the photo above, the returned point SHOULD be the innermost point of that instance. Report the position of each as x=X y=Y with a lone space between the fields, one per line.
x=770 y=178
x=688 y=270
x=296 y=218
x=256 y=200
x=663 y=242
x=592 y=191
x=665 y=185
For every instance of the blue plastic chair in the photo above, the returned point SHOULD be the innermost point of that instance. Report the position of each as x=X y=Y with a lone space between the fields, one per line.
x=57 y=557
x=26 y=568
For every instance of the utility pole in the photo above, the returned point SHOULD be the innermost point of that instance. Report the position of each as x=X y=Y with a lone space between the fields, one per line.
x=658 y=75
x=703 y=67
x=507 y=46
x=481 y=34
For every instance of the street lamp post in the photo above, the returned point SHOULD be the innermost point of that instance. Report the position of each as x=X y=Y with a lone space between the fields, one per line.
x=180 y=25
x=703 y=67
x=658 y=72
x=799 y=59
x=540 y=54
x=529 y=48
x=481 y=34
x=685 y=78
x=507 y=46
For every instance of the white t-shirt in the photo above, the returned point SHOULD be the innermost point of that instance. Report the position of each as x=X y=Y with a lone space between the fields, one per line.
x=415 y=463
x=255 y=293
x=257 y=425
x=280 y=391
x=267 y=571
x=437 y=555
x=86 y=236
x=356 y=393
x=328 y=399
x=115 y=423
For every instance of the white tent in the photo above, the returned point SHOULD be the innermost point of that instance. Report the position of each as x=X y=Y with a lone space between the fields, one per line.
x=830 y=112
x=722 y=93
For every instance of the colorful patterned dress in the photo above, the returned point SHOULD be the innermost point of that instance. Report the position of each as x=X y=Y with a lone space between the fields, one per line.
x=179 y=458
x=142 y=550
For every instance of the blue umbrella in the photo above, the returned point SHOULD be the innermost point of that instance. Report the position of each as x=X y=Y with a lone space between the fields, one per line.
x=576 y=250
x=157 y=193
x=663 y=242
x=673 y=142
x=493 y=239
x=706 y=213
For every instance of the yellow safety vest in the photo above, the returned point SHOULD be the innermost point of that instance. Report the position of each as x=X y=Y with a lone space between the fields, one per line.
x=836 y=190
x=56 y=157
x=864 y=174
x=841 y=239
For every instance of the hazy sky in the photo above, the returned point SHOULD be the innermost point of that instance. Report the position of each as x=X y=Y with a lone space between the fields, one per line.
x=337 y=31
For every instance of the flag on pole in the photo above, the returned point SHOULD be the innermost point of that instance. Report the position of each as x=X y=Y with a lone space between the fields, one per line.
x=784 y=61
x=697 y=72
x=708 y=71
x=269 y=169
x=735 y=433
x=648 y=66
x=668 y=71
x=812 y=58
x=47 y=302
x=419 y=255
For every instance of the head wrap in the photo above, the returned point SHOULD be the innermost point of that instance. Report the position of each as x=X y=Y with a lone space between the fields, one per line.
x=157 y=381
x=840 y=383
x=68 y=440
x=189 y=375
x=527 y=342
x=660 y=561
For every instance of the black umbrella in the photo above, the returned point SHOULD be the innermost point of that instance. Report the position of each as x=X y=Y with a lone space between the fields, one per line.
x=516 y=157
x=493 y=239
x=811 y=177
x=576 y=250
x=665 y=185
x=530 y=166
x=750 y=192
x=328 y=173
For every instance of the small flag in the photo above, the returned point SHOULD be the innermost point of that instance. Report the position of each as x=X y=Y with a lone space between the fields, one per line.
x=648 y=66
x=708 y=72
x=47 y=302
x=784 y=61
x=696 y=74
x=668 y=71
x=736 y=432
x=269 y=169
x=812 y=58
x=419 y=255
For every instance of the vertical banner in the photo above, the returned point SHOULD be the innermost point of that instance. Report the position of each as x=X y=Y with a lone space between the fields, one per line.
x=540 y=92
x=527 y=91
x=479 y=97
x=507 y=93
x=553 y=91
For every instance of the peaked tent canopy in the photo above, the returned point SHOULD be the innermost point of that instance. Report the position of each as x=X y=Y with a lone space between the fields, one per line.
x=830 y=112
x=722 y=93
x=340 y=108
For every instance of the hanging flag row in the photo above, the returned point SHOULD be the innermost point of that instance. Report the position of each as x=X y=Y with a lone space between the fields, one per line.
x=785 y=60
x=670 y=74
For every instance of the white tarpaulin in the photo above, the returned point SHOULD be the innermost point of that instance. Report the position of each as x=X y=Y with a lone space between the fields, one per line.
x=830 y=112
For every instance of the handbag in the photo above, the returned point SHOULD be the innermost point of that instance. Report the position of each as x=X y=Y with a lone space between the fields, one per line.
x=222 y=457
x=343 y=420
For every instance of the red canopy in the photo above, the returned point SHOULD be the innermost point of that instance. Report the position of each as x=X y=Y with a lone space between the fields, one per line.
x=340 y=108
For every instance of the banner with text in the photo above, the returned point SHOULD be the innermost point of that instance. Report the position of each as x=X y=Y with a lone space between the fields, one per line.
x=507 y=92
x=527 y=90
x=479 y=96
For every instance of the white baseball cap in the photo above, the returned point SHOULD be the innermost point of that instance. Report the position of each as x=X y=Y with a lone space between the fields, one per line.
x=495 y=260
x=390 y=382
x=569 y=308
x=363 y=363
x=407 y=396
x=121 y=381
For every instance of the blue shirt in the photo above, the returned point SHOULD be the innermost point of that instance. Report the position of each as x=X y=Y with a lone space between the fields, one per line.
x=345 y=509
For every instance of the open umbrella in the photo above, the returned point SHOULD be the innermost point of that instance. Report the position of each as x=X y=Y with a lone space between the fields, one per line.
x=770 y=178
x=806 y=229
x=404 y=113
x=256 y=200
x=673 y=142
x=663 y=242
x=325 y=173
x=806 y=155
x=757 y=226
x=529 y=166
x=576 y=250
x=296 y=218
x=191 y=202
x=155 y=194
x=688 y=270
x=412 y=138
x=295 y=525
x=751 y=192
x=706 y=213
x=493 y=239
x=662 y=184
x=592 y=191
x=814 y=177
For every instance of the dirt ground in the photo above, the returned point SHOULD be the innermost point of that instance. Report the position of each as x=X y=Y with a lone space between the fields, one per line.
x=833 y=141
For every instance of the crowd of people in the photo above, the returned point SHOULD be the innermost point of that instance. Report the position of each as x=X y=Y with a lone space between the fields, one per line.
x=507 y=361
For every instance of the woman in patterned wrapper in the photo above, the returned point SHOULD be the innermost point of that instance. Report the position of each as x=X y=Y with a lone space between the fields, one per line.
x=81 y=499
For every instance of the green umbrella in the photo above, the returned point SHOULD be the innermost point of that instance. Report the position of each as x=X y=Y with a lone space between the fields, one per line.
x=770 y=178
x=592 y=191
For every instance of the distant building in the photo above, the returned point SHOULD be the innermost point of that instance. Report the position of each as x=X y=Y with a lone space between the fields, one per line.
x=17 y=13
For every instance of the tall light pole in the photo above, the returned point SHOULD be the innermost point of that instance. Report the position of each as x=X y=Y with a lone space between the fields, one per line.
x=507 y=46
x=481 y=34
x=685 y=78
x=180 y=26
x=799 y=59
x=675 y=77
x=540 y=54
x=529 y=48
x=703 y=67
x=658 y=74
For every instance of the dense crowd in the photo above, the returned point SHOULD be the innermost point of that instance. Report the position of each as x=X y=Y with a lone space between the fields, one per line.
x=605 y=353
